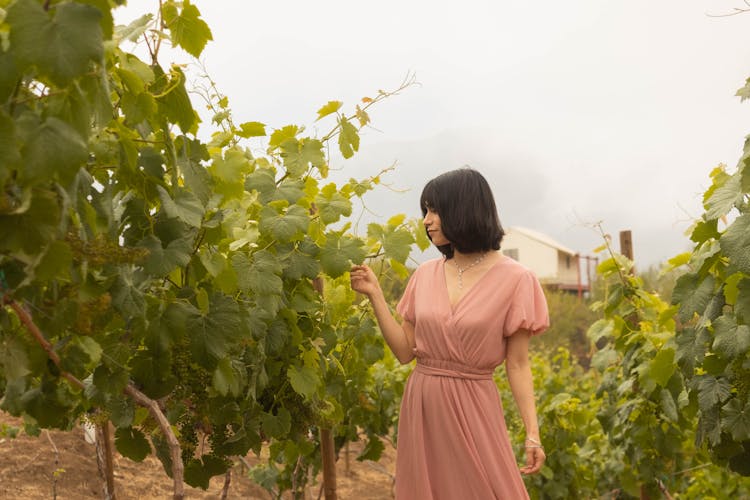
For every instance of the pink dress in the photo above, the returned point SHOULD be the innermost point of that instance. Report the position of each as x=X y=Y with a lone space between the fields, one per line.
x=452 y=439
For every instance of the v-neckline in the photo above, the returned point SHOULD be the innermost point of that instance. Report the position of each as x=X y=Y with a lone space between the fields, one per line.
x=454 y=307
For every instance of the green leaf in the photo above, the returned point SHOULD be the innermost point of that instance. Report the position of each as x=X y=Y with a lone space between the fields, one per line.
x=734 y=244
x=152 y=370
x=263 y=181
x=127 y=298
x=304 y=380
x=132 y=443
x=401 y=270
x=241 y=266
x=744 y=92
x=214 y=262
x=397 y=243
x=724 y=198
x=13 y=359
x=232 y=168
x=299 y=154
x=736 y=419
x=692 y=346
x=276 y=426
x=705 y=230
x=709 y=426
x=62 y=47
x=186 y=27
x=211 y=334
x=50 y=407
x=339 y=253
x=225 y=380
x=264 y=274
x=198 y=472
x=9 y=76
x=420 y=235
x=54 y=151
x=731 y=288
x=138 y=107
x=251 y=129
x=282 y=134
x=290 y=225
x=291 y=190
x=711 y=391
x=185 y=206
x=196 y=176
x=742 y=304
x=134 y=30
x=173 y=98
x=201 y=298
x=329 y=108
x=80 y=355
x=332 y=204
x=162 y=261
x=348 y=138
x=39 y=222
x=121 y=411
x=110 y=382
x=302 y=262
x=107 y=22
x=56 y=262
x=10 y=153
x=373 y=450
x=604 y=358
x=602 y=328
x=668 y=405
x=662 y=367
x=693 y=294
x=731 y=340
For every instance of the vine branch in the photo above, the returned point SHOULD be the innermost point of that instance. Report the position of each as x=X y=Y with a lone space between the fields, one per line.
x=178 y=468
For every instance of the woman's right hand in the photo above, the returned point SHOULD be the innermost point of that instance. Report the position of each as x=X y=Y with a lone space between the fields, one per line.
x=364 y=280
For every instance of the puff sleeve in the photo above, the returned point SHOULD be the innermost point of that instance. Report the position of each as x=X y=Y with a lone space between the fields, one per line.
x=528 y=309
x=406 y=308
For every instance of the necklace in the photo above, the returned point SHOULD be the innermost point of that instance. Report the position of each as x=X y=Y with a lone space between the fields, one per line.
x=462 y=270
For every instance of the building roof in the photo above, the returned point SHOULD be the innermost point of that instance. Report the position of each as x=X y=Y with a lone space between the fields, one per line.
x=541 y=238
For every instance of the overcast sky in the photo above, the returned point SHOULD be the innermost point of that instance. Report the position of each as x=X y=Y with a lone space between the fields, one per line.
x=576 y=111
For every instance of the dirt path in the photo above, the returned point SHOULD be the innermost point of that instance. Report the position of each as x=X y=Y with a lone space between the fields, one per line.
x=30 y=469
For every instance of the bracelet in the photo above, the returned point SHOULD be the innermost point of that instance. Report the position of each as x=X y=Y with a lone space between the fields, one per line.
x=533 y=441
x=534 y=446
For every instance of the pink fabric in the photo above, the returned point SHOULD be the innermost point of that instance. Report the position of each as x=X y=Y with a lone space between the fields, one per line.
x=452 y=438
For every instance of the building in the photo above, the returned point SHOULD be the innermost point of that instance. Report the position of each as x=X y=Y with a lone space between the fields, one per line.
x=555 y=265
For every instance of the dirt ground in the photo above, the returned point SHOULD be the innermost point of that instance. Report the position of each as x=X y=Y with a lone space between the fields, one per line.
x=31 y=469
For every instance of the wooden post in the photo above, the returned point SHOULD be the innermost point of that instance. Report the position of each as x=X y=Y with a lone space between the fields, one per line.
x=328 y=452
x=327 y=446
x=626 y=244
x=578 y=273
x=105 y=459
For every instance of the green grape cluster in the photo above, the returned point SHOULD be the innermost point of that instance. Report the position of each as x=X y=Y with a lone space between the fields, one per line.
x=188 y=436
x=100 y=251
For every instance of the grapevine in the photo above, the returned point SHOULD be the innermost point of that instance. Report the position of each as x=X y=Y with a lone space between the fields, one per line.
x=143 y=267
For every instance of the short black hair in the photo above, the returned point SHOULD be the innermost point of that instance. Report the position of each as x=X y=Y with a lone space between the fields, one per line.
x=468 y=215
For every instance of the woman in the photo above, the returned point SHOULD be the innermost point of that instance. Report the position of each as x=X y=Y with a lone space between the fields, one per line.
x=463 y=315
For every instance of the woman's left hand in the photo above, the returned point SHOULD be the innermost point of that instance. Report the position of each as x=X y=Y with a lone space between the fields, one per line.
x=534 y=459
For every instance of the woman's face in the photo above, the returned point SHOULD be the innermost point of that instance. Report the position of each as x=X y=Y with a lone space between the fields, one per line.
x=434 y=231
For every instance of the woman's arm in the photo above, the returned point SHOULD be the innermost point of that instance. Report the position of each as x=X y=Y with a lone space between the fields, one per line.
x=522 y=386
x=400 y=338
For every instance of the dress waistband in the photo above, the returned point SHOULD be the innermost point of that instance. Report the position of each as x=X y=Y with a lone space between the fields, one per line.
x=453 y=369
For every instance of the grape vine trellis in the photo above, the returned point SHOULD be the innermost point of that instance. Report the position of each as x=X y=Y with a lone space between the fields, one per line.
x=682 y=371
x=168 y=285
